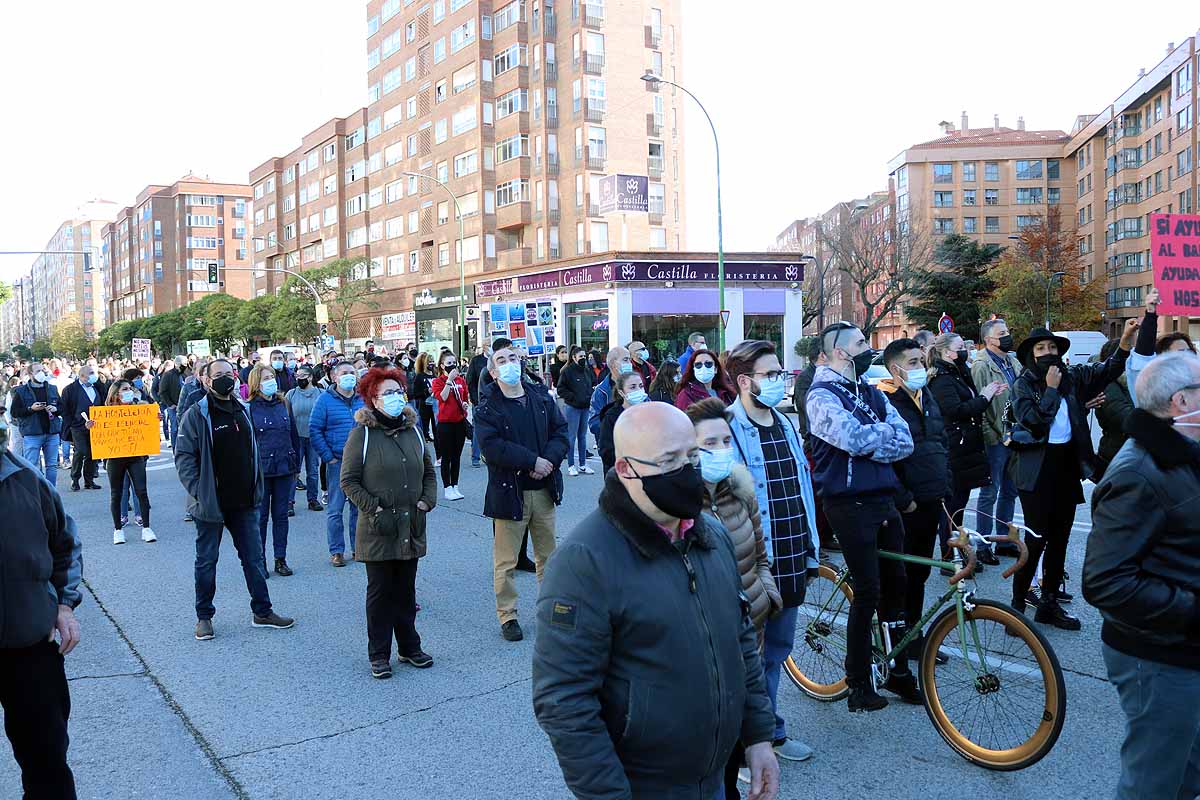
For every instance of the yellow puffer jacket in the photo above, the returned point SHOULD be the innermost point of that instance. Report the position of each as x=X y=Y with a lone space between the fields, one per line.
x=733 y=502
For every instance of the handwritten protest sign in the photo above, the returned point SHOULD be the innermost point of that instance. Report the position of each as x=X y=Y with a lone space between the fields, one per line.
x=123 y=431
x=1175 y=243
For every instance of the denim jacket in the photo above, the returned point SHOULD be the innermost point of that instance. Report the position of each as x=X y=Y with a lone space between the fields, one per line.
x=749 y=449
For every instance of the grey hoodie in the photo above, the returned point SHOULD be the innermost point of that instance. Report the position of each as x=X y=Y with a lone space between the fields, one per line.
x=301 y=402
x=193 y=462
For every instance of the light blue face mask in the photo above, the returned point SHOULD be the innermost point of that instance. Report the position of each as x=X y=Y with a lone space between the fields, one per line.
x=626 y=367
x=510 y=373
x=93 y=377
x=347 y=382
x=770 y=392
x=715 y=465
x=917 y=378
x=643 y=354
x=705 y=374
x=393 y=404
x=636 y=396
x=269 y=387
x=126 y=396
x=277 y=364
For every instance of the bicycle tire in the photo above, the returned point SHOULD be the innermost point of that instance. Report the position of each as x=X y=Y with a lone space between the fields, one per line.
x=817 y=662
x=1040 y=667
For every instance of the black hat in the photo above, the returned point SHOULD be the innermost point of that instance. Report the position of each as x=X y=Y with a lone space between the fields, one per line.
x=1041 y=335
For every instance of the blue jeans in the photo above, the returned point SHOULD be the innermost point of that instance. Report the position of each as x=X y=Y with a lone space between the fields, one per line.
x=780 y=635
x=242 y=527
x=126 y=493
x=277 y=491
x=1160 y=757
x=66 y=448
x=1003 y=509
x=171 y=420
x=45 y=446
x=311 y=467
x=577 y=432
x=334 y=531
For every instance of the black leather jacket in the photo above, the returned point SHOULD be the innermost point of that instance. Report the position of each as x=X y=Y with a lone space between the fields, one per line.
x=1142 y=569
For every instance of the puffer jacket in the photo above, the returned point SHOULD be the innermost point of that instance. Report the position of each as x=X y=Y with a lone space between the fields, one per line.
x=331 y=421
x=575 y=384
x=646 y=668
x=1142 y=568
x=694 y=391
x=385 y=480
x=733 y=501
x=925 y=473
x=275 y=430
x=963 y=409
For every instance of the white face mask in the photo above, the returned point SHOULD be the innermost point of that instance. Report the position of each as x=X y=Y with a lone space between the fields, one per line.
x=1175 y=420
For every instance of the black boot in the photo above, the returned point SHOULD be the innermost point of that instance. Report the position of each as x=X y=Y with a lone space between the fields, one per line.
x=1051 y=613
x=863 y=697
x=904 y=685
x=524 y=562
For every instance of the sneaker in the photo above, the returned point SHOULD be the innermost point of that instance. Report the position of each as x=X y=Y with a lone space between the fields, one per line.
x=325 y=498
x=987 y=557
x=291 y=509
x=586 y=470
x=300 y=487
x=865 y=698
x=792 y=749
x=1032 y=597
x=92 y=485
x=419 y=659
x=74 y=486
x=381 y=669
x=273 y=620
x=188 y=517
x=572 y=471
x=137 y=520
x=282 y=569
x=1051 y=613
x=204 y=630
x=148 y=534
x=118 y=536
x=905 y=687
x=125 y=521
x=313 y=505
x=338 y=560
x=452 y=494
x=511 y=631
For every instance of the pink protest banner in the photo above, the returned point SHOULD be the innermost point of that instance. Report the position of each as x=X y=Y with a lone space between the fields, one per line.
x=1175 y=243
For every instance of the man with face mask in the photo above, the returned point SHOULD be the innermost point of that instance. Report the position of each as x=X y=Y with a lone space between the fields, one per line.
x=301 y=401
x=857 y=436
x=78 y=399
x=329 y=426
x=1142 y=572
x=1053 y=454
x=768 y=445
x=646 y=669
x=997 y=500
x=619 y=363
x=34 y=408
x=285 y=374
x=216 y=456
x=640 y=356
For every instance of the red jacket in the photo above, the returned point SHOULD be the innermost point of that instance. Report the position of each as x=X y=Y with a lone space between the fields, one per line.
x=694 y=391
x=453 y=408
x=647 y=371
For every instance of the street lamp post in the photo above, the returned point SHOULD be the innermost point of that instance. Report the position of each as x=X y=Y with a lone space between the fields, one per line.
x=650 y=77
x=462 y=272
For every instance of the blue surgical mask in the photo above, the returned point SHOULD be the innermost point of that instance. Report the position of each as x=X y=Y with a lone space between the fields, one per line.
x=93 y=378
x=277 y=364
x=636 y=396
x=126 y=396
x=626 y=367
x=347 y=382
x=138 y=383
x=770 y=393
x=917 y=378
x=643 y=354
x=269 y=387
x=510 y=373
x=291 y=365
x=393 y=404
x=715 y=465
x=705 y=374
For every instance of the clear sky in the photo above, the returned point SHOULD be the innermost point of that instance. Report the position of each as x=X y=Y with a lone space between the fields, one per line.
x=811 y=100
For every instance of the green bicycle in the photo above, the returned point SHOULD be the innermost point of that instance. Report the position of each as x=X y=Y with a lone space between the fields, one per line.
x=998 y=699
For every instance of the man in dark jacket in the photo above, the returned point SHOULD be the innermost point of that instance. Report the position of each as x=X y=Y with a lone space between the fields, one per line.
x=1112 y=414
x=34 y=407
x=286 y=376
x=477 y=367
x=640 y=357
x=523 y=437
x=646 y=669
x=77 y=399
x=170 y=384
x=41 y=554
x=1142 y=571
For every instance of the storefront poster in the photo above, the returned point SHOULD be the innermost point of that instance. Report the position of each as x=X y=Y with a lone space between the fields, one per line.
x=499 y=326
x=516 y=330
x=498 y=312
x=545 y=314
x=401 y=326
x=660 y=272
x=624 y=193
x=536 y=341
x=1175 y=243
x=516 y=312
x=124 y=431
x=531 y=314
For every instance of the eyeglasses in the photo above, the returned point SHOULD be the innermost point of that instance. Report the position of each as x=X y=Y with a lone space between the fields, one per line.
x=671 y=465
x=700 y=364
x=776 y=374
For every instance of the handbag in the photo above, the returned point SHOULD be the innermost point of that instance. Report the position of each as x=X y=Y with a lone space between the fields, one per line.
x=1016 y=435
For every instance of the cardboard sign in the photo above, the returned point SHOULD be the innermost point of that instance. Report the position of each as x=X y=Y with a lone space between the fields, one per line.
x=123 y=431
x=1175 y=245
x=141 y=350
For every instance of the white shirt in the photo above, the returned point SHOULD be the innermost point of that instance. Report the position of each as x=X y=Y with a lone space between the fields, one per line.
x=1060 y=429
x=91 y=393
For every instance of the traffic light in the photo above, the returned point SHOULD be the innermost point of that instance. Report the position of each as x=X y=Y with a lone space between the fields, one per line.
x=212 y=272
x=324 y=329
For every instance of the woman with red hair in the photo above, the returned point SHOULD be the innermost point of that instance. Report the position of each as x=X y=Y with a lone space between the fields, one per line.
x=703 y=378
x=388 y=473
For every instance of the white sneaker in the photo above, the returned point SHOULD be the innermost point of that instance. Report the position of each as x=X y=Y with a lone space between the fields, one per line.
x=148 y=535
x=458 y=495
x=586 y=470
x=437 y=463
x=572 y=471
x=118 y=536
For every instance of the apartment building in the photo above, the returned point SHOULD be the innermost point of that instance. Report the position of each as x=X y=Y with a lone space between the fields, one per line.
x=1133 y=159
x=303 y=200
x=156 y=252
x=520 y=108
x=13 y=328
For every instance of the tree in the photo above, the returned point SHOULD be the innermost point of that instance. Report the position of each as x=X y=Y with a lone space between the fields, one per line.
x=116 y=338
x=345 y=285
x=883 y=262
x=293 y=316
x=1021 y=274
x=22 y=351
x=69 y=338
x=165 y=331
x=41 y=349
x=5 y=292
x=214 y=318
x=253 y=319
x=955 y=286
x=813 y=292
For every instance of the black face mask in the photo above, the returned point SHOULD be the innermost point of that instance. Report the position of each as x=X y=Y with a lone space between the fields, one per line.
x=679 y=493
x=1006 y=343
x=303 y=382
x=1042 y=364
x=223 y=385
x=862 y=362
x=960 y=357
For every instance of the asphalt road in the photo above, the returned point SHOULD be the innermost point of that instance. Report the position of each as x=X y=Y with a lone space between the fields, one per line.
x=295 y=714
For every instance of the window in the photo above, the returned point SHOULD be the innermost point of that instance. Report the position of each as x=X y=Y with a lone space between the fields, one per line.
x=509 y=58
x=943 y=227
x=943 y=199
x=968 y=172
x=414 y=260
x=356 y=205
x=410 y=32
x=511 y=103
x=439 y=50
x=439 y=131
x=413 y=222
x=373 y=26
x=509 y=15
x=1183 y=120
x=1027 y=197
x=991 y=197
x=330 y=215
x=658 y=238
x=512 y=147
x=1024 y=222
x=390 y=9
x=392 y=80
x=579 y=242
x=289 y=202
x=1052 y=169
x=462 y=36
x=439 y=11
x=443 y=212
x=515 y=191
x=970 y=225
x=1029 y=170
x=468 y=204
x=991 y=225
x=464 y=120
x=943 y=173
x=1183 y=80
x=372 y=97
x=467 y=249
x=356 y=171
x=395 y=265
x=968 y=197
x=464 y=78
x=1054 y=195
x=991 y=171
x=355 y=138
x=657 y=198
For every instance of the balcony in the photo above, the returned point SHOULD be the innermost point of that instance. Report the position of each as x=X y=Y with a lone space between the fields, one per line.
x=654 y=166
x=552 y=163
x=593 y=15
x=517 y=257
x=593 y=63
x=594 y=108
x=597 y=157
x=552 y=117
x=550 y=25
x=514 y=215
x=551 y=71
x=656 y=217
x=654 y=125
x=652 y=86
x=593 y=208
x=553 y=215
x=653 y=37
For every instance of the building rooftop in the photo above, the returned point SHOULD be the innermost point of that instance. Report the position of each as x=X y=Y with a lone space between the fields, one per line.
x=977 y=137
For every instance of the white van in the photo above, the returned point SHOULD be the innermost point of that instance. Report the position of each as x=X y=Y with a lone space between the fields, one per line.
x=1085 y=345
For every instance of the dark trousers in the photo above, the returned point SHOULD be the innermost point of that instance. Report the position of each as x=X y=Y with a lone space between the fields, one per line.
x=135 y=469
x=736 y=759
x=864 y=527
x=243 y=529
x=82 y=464
x=428 y=425
x=450 y=439
x=955 y=504
x=825 y=535
x=1049 y=512
x=37 y=704
x=920 y=530
x=392 y=608
x=277 y=492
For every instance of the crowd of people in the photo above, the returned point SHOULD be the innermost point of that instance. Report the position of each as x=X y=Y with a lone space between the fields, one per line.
x=716 y=510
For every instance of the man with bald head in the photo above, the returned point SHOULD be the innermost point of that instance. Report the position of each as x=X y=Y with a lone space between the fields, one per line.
x=646 y=668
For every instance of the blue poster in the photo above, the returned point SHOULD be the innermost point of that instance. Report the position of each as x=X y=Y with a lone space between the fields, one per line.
x=536 y=338
x=516 y=312
x=499 y=312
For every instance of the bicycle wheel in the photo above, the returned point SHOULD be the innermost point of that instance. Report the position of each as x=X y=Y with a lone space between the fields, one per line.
x=817 y=664
x=1008 y=715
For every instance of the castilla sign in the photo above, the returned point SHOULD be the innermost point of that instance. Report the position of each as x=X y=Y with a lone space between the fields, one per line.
x=624 y=193
x=645 y=271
